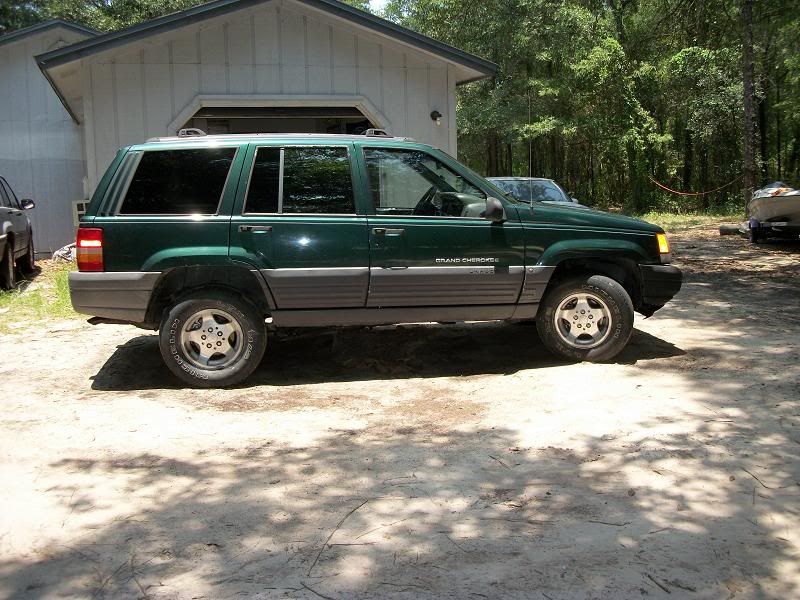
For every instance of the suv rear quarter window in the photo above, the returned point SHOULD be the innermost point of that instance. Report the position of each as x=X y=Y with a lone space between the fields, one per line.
x=178 y=182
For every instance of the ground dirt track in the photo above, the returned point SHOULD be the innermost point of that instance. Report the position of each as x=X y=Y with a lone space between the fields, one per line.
x=423 y=461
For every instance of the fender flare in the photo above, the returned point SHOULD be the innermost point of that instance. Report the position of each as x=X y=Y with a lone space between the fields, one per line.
x=592 y=249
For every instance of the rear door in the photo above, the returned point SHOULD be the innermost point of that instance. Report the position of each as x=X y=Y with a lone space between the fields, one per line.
x=296 y=219
x=430 y=244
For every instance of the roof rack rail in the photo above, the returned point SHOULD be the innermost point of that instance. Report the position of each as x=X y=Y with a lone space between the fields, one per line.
x=376 y=133
x=191 y=132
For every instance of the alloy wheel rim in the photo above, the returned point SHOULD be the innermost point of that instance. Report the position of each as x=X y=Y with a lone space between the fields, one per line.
x=212 y=339
x=583 y=320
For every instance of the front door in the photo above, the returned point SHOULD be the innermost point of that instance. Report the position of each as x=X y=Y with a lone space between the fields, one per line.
x=295 y=220
x=430 y=244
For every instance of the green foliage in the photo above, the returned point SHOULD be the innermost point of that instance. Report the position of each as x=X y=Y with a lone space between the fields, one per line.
x=16 y=15
x=604 y=96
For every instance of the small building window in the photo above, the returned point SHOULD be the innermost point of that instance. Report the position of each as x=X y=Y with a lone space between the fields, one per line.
x=178 y=182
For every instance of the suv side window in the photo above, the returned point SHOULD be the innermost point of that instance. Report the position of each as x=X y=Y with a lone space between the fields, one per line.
x=412 y=182
x=178 y=182
x=4 y=201
x=301 y=180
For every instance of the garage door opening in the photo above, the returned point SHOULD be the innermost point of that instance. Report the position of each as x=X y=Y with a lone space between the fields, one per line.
x=226 y=120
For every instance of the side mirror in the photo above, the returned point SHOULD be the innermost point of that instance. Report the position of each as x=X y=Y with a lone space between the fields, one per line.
x=494 y=210
x=27 y=204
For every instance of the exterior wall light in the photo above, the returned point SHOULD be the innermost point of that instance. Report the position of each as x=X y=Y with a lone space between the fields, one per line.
x=436 y=117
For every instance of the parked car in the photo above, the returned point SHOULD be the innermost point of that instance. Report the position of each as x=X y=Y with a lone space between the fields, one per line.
x=214 y=240
x=535 y=189
x=16 y=237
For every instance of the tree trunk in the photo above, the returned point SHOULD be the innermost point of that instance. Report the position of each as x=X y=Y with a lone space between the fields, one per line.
x=748 y=75
x=763 y=132
x=778 y=125
x=703 y=154
x=688 y=160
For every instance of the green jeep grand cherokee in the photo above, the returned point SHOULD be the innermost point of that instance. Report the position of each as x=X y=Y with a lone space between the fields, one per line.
x=210 y=239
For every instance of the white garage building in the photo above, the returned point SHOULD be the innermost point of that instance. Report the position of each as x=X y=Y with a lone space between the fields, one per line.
x=239 y=66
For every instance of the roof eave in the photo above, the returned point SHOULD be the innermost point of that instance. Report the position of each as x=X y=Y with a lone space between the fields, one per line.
x=172 y=21
x=44 y=26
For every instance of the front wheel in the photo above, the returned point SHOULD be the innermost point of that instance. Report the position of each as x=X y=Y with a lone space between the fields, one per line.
x=586 y=318
x=213 y=342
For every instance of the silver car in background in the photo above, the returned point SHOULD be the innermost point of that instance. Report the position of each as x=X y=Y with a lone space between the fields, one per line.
x=528 y=189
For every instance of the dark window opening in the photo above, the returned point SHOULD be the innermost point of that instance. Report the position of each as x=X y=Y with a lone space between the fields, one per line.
x=316 y=180
x=262 y=195
x=178 y=182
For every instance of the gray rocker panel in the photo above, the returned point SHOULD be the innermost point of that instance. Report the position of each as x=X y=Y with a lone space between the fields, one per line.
x=318 y=288
x=446 y=285
x=536 y=279
x=388 y=316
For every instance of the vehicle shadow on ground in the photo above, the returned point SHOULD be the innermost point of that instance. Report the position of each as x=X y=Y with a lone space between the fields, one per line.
x=307 y=356
x=397 y=511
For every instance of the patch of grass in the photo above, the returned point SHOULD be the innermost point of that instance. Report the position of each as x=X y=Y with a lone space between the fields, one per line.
x=677 y=222
x=44 y=297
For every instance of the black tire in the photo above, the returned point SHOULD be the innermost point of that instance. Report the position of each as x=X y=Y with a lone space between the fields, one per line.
x=27 y=263
x=8 y=275
x=753 y=235
x=173 y=336
x=618 y=323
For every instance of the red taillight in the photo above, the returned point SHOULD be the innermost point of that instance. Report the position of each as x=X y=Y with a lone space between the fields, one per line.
x=90 y=249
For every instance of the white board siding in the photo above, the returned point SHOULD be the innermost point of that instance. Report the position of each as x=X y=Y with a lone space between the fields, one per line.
x=41 y=148
x=279 y=49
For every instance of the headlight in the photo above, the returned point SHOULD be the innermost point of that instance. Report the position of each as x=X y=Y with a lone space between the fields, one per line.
x=663 y=247
x=663 y=243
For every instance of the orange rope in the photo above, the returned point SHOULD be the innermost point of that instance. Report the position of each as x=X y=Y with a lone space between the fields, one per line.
x=722 y=187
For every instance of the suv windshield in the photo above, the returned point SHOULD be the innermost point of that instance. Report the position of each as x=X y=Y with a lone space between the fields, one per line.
x=528 y=190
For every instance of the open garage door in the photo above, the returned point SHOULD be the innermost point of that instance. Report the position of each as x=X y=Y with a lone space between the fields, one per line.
x=224 y=120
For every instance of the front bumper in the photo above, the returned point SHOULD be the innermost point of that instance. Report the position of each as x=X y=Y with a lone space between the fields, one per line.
x=117 y=296
x=660 y=283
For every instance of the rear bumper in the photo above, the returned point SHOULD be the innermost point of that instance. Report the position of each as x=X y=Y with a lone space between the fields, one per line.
x=117 y=296
x=660 y=283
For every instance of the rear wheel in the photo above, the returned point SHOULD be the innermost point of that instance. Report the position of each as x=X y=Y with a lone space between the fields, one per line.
x=8 y=276
x=213 y=342
x=27 y=264
x=586 y=318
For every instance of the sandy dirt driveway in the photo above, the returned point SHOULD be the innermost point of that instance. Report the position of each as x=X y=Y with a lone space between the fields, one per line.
x=420 y=461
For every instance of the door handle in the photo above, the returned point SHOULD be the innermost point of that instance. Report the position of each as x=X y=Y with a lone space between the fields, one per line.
x=387 y=232
x=255 y=228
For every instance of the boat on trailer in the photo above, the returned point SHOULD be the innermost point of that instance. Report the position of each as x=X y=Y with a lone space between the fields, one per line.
x=774 y=212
